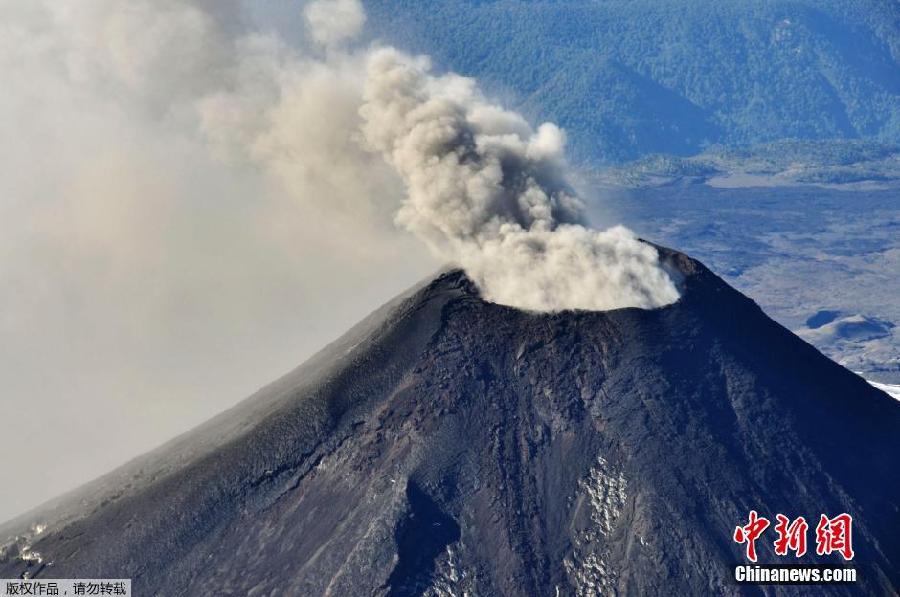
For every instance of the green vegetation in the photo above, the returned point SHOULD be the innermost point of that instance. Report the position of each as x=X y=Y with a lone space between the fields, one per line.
x=627 y=78
x=795 y=161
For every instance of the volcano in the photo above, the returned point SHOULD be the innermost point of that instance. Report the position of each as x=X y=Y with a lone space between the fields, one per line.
x=450 y=446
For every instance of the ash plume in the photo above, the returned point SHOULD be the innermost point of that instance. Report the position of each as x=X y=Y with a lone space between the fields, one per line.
x=176 y=178
x=334 y=21
x=489 y=193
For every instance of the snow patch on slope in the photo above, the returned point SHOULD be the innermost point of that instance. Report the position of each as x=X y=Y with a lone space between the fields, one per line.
x=588 y=567
x=892 y=390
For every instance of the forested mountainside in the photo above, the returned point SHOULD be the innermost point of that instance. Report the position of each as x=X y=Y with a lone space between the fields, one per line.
x=632 y=77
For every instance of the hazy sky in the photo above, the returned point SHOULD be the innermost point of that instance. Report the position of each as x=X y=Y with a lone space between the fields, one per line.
x=162 y=254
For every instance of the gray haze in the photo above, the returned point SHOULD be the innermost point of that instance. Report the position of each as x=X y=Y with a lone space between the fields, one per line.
x=179 y=224
x=189 y=208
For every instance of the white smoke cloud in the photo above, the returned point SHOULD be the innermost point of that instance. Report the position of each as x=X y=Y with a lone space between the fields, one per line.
x=332 y=22
x=189 y=207
x=184 y=216
x=489 y=193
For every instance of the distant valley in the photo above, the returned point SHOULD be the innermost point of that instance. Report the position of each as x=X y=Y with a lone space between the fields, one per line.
x=823 y=262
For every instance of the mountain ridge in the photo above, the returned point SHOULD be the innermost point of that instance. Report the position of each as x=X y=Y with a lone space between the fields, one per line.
x=449 y=444
x=627 y=78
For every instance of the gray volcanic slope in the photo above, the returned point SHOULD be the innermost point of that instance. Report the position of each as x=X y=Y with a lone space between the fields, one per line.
x=450 y=446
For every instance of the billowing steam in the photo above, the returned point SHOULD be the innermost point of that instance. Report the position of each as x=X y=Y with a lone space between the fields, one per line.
x=488 y=192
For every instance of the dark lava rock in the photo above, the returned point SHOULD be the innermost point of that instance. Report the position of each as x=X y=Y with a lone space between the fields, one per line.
x=450 y=446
